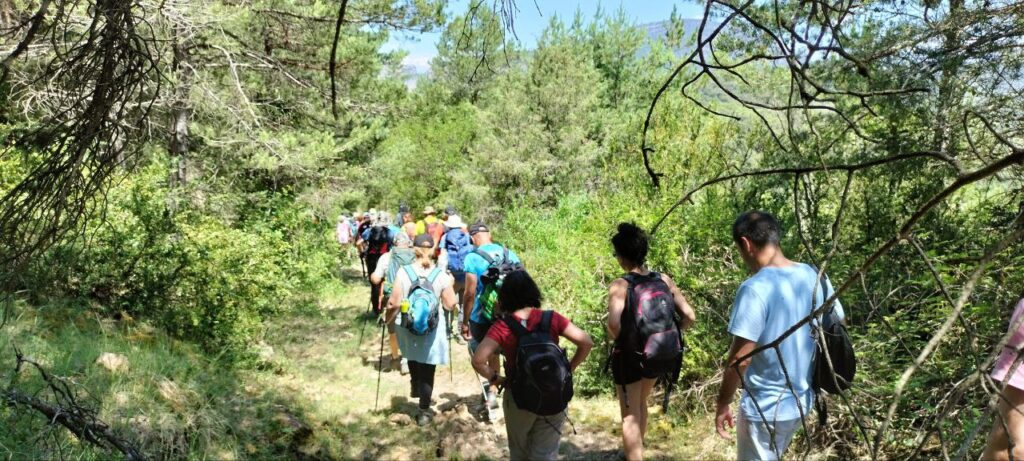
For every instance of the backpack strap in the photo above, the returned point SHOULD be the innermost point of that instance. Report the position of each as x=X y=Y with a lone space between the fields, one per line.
x=433 y=275
x=517 y=328
x=483 y=254
x=545 y=321
x=413 y=277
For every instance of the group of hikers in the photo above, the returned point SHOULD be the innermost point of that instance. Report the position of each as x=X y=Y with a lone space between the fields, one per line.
x=419 y=268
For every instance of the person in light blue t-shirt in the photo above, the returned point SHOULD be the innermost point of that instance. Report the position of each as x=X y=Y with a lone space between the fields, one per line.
x=474 y=324
x=778 y=295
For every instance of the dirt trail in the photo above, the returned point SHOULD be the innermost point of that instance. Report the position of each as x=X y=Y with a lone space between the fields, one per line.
x=331 y=365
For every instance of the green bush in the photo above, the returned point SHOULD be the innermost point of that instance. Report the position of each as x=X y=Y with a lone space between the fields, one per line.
x=197 y=276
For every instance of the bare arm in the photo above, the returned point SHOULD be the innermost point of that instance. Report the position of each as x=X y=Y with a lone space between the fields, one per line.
x=394 y=303
x=468 y=298
x=731 y=380
x=616 y=303
x=583 y=344
x=488 y=347
x=683 y=308
x=448 y=298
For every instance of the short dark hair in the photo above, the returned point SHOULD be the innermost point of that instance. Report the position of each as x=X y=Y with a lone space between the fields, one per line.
x=518 y=291
x=631 y=243
x=760 y=227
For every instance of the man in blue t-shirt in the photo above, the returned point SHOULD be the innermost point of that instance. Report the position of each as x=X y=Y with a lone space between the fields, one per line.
x=474 y=322
x=778 y=295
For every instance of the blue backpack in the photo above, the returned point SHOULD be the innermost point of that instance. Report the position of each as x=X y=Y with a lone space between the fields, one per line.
x=458 y=246
x=422 y=316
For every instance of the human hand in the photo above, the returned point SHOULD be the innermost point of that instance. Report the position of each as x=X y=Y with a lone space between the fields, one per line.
x=723 y=416
x=465 y=332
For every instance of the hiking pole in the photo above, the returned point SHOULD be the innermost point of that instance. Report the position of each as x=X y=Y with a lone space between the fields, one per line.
x=380 y=364
x=451 y=361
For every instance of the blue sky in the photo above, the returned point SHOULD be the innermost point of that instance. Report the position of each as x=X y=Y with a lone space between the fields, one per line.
x=534 y=16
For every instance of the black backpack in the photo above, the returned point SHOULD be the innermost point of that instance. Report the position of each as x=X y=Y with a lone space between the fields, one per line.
x=836 y=341
x=839 y=376
x=379 y=240
x=541 y=382
x=649 y=333
x=497 y=269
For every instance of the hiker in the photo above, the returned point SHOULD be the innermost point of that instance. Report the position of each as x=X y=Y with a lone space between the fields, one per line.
x=485 y=268
x=430 y=224
x=455 y=246
x=448 y=212
x=400 y=217
x=646 y=347
x=420 y=290
x=401 y=255
x=1009 y=372
x=343 y=231
x=540 y=365
x=409 y=226
x=377 y=241
x=778 y=295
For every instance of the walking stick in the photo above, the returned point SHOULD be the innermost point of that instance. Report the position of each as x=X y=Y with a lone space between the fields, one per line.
x=380 y=365
x=451 y=361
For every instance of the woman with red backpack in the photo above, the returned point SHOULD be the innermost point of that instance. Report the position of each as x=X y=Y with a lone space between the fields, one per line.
x=646 y=317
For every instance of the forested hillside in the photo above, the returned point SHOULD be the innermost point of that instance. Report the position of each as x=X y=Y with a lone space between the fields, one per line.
x=171 y=174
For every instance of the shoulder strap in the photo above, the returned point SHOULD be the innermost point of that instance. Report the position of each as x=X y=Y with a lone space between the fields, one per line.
x=433 y=275
x=505 y=256
x=413 y=277
x=483 y=254
x=517 y=328
x=545 y=321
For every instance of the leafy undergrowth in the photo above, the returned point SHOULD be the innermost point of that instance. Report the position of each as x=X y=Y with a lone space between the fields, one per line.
x=312 y=397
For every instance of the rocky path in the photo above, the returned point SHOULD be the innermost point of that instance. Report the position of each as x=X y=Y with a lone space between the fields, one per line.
x=329 y=361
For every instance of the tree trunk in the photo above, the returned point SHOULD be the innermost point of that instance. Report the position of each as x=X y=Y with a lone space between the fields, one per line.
x=949 y=108
x=180 y=108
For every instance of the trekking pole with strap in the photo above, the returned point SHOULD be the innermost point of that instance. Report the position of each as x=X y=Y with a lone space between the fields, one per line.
x=380 y=364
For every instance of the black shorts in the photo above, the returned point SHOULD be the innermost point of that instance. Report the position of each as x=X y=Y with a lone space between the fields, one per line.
x=627 y=370
x=478 y=330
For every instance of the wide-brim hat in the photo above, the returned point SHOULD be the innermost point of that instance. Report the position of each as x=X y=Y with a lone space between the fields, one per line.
x=454 y=222
x=429 y=210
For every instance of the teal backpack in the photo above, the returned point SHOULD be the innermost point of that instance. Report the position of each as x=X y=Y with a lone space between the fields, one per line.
x=400 y=257
x=424 y=304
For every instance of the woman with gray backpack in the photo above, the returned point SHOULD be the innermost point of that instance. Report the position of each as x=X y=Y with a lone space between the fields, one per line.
x=420 y=290
x=538 y=375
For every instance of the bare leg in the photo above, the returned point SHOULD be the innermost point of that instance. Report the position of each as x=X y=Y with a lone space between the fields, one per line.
x=634 y=417
x=1010 y=417
x=393 y=340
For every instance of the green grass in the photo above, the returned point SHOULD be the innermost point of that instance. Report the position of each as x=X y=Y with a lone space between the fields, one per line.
x=312 y=399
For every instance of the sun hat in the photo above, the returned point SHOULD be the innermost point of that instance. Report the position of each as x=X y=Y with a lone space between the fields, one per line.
x=454 y=222
x=429 y=210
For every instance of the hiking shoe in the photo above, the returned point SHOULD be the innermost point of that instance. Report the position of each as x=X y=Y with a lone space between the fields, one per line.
x=404 y=369
x=424 y=418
